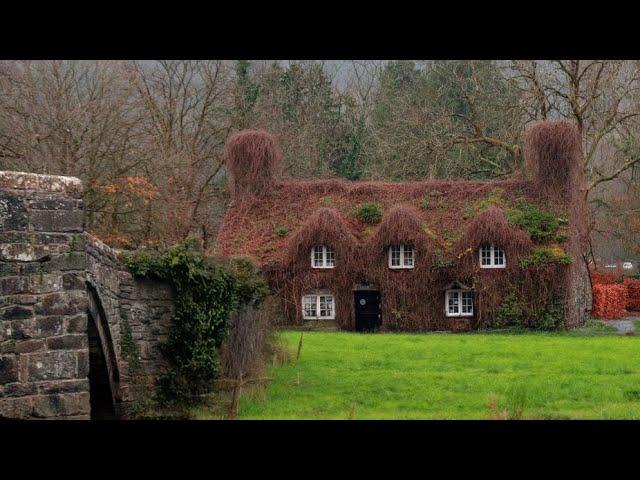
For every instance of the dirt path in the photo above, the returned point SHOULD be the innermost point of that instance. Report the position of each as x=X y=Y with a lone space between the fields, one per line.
x=624 y=325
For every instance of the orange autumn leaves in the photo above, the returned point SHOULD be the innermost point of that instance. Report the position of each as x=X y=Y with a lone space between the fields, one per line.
x=128 y=195
x=132 y=187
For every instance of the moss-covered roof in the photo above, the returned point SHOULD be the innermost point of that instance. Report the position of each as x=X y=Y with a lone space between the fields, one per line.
x=260 y=228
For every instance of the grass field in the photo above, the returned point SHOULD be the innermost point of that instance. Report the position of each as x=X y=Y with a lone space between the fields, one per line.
x=451 y=376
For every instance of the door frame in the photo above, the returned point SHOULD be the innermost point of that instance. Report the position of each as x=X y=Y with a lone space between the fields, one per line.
x=378 y=322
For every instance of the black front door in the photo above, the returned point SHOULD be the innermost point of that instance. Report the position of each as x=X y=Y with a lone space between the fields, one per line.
x=367 y=310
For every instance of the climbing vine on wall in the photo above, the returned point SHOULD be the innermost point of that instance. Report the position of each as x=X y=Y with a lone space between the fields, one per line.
x=206 y=292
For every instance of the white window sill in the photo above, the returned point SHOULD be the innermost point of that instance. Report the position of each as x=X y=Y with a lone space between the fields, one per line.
x=400 y=268
x=492 y=266
x=456 y=315
x=323 y=268
x=318 y=318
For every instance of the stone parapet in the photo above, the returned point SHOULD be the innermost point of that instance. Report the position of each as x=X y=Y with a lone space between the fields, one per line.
x=44 y=357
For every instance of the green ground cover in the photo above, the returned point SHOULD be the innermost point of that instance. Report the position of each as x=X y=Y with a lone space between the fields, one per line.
x=582 y=374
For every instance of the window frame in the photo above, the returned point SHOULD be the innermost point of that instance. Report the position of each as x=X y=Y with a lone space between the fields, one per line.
x=325 y=250
x=492 y=256
x=460 y=297
x=318 y=302
x=402 y=265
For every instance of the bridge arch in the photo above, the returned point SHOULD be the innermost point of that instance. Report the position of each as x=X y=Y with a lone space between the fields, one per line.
x=68 y=301
x=104 y=372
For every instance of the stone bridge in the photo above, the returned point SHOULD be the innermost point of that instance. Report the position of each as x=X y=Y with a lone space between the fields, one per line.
x=78 y=334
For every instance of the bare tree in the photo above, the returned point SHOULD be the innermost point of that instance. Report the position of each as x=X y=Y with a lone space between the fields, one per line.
x=73 y=118
x=601 y=96
x=185 y=122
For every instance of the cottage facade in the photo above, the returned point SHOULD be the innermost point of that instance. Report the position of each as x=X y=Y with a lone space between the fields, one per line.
x=416 y=256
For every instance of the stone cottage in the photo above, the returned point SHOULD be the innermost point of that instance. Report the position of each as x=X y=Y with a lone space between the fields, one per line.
x=417 y=256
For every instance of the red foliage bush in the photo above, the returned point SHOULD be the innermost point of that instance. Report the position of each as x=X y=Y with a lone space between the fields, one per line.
x=609 y=301
x=633 y=294
x=599 y=278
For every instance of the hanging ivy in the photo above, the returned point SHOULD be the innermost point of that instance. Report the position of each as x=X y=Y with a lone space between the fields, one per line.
x=206 y=292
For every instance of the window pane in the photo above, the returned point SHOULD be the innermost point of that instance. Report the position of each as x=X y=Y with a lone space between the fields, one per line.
x=326 y=305
x=331 y=257
x=498 y=256
x=395 y=256
x=309 y=305
x=317 y=256
x=467 y=302
x=408 y=256
x=485 y=255
x=453 y=304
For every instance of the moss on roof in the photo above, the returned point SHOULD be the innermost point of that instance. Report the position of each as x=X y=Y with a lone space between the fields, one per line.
x=254 y=227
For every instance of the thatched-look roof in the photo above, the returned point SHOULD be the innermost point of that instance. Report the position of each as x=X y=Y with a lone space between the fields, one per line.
x=446 y=213
x=491 y=227
x=326 y=226
x=262 y=228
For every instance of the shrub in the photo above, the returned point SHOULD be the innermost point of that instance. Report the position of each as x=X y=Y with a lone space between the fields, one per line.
x=206 y=293
x=540 y=224
x=369 y=212
x=551 y=317
x=545 y=255
x=510 y=311
x=281 y=231
x=424 y=204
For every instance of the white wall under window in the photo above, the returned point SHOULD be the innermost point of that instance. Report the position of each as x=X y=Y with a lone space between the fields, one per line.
x=401 y=256
x=492 y=257
x=459 y=303
x=318 y=307
x=323 y=256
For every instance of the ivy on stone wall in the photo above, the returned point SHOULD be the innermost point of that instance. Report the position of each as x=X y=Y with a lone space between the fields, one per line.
x=206 y=292
x=130 y=351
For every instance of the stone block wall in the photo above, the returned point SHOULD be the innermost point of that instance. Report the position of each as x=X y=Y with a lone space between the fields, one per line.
x=44 y=358
x=139 y=314
x=53 y=275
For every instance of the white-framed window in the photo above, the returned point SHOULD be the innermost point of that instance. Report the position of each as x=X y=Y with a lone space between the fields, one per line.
x=323 y=256
x=401 y=256
x=459 y=303
x=492 y=257
x=318 y=307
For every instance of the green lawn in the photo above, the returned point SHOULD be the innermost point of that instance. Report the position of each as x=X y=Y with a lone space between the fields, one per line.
x=451 y=376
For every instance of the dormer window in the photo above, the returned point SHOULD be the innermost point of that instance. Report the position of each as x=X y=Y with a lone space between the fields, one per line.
x=492 y=257
x=323 y=256
x=401 y=256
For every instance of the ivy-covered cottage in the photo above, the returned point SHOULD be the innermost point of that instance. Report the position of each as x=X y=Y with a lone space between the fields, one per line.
x=424 y=255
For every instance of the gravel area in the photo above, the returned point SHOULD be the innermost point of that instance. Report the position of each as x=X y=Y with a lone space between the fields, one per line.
x=625 y=324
